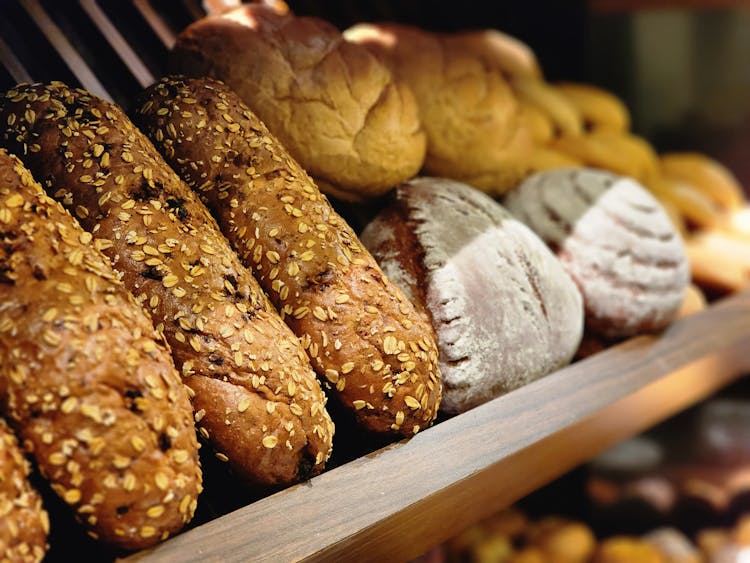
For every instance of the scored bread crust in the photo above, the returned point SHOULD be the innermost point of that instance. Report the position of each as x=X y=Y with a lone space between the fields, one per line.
x=615 y=240
x=85 y=380
x=473 y=123
x=24 y=524
x=333 y=105
x=504 y=310
x=256 y=399
x=362 y=334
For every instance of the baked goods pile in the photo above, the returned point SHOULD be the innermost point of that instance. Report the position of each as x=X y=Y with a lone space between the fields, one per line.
x=196 y=246
x=513 y=536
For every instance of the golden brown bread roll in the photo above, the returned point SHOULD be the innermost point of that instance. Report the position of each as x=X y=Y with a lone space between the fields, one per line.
x=564 y=541
x=362 y=334
x=499 y=50
x=256 y=398
x=599 y=108
x=333 y=105
x=469 y=113
x=24 y=524
x=623 y=549
x=706 y=175
x=618 y=152
x=85 y=379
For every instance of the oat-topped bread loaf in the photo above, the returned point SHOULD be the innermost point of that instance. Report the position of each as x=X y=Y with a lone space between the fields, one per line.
x=363 y=336
x=24 y=524
x=257 y=401
x=469 y=113
x=85 y=380
x=615 y=241
x=504 y=310
x=333 y=105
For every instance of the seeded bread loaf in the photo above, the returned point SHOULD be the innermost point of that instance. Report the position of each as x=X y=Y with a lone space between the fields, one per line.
x=615 y=241
x=24 y=524
x=333 y=105
x=85 y=380
x=362 y=334
x=504 y=310
x=256 y=399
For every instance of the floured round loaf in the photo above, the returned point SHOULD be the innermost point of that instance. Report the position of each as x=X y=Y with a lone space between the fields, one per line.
x=615 y=240
x=504 y=310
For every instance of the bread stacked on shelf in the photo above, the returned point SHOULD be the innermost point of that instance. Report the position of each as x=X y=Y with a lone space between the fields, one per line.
x=511 y=536
x=543 y=126
x=212 y=220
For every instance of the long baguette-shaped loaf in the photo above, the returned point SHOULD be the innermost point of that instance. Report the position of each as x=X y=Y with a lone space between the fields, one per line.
x=85 y=379
x=24 y=524
x=256 y=398
x=362 y=334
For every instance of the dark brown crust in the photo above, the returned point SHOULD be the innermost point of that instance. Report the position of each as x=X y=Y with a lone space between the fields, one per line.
x=85 y=379
x=256 y=399
x=363 y=336
x=24 y=524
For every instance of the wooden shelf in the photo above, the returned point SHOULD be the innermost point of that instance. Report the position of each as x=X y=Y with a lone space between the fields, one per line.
x=397 y=502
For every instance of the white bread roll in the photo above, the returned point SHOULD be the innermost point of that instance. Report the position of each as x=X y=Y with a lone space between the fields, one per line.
x=504 y=310
x=615 y=240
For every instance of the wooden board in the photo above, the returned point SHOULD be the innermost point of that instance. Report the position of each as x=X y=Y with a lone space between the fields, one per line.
x=394 y=504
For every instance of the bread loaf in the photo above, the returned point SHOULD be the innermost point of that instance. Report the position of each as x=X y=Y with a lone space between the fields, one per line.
x=85 y=379
x=470 y=116
x=504 y=310
x=615 y=241
x=256 y=398
x=333 y=105
x=361 y=333
x=24 y=524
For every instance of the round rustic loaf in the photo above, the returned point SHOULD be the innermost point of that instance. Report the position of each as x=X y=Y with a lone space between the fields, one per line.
x=615 y=241
x=332 y=104
x=504 y=310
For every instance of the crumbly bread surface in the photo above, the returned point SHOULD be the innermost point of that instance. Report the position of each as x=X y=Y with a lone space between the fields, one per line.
x=474 y=125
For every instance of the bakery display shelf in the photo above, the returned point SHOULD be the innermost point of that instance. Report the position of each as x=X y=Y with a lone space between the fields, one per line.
x=395 y=503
